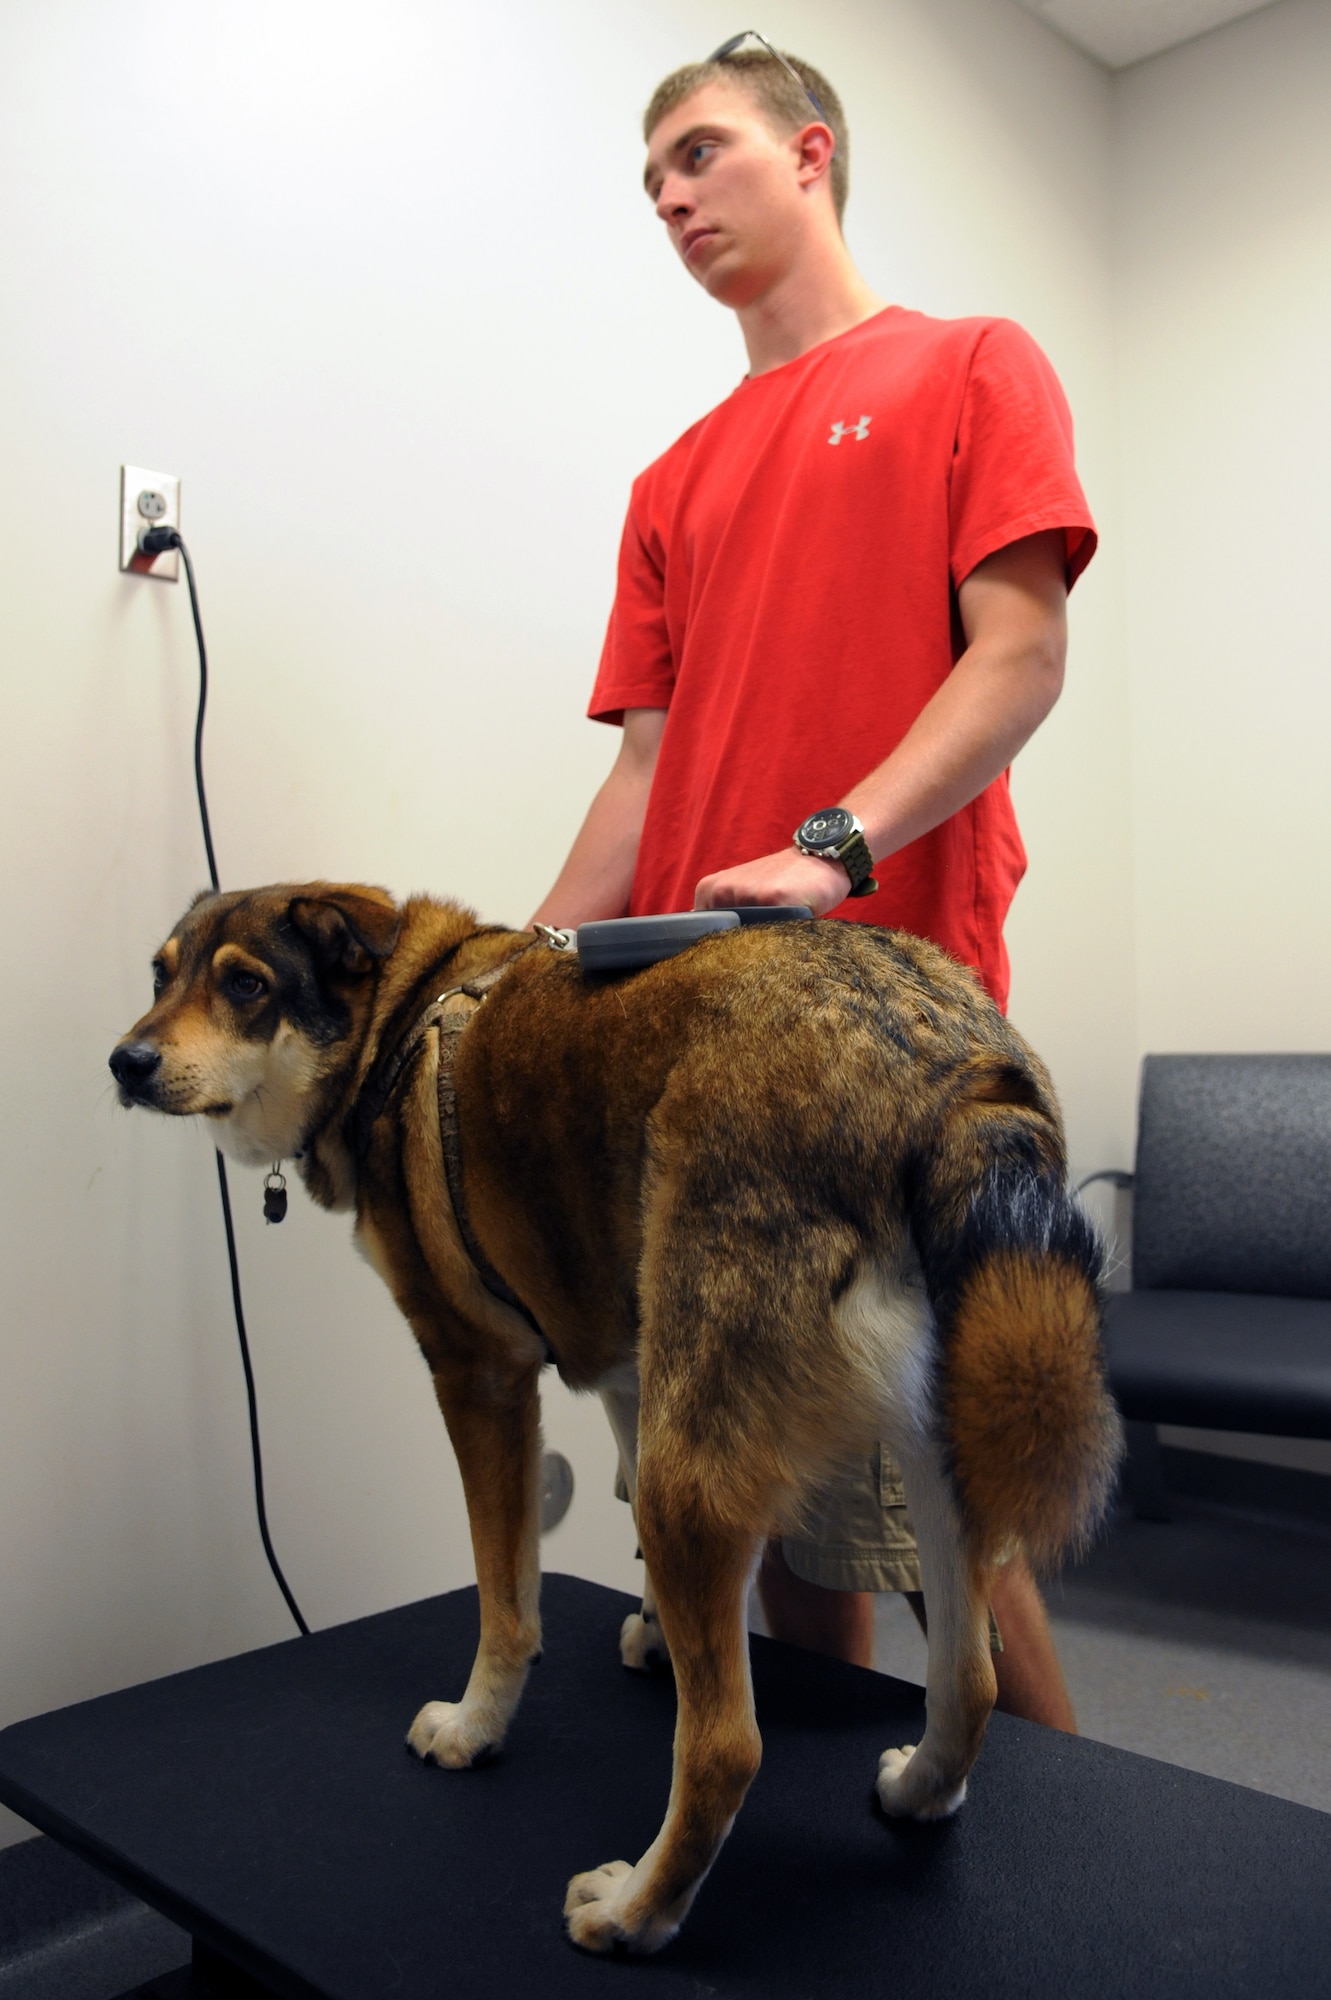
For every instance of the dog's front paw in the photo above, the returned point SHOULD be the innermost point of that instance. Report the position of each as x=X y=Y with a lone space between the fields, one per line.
x=909 y=1788
x=598 y=1907
x=642 y=1643
x=591 y=1906
x=445 y=1733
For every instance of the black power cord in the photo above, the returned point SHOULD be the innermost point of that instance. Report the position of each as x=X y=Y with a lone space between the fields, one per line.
x=156 y=542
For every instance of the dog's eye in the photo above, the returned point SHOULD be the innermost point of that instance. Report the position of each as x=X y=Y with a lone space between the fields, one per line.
x=161 y=977
x=246 y=985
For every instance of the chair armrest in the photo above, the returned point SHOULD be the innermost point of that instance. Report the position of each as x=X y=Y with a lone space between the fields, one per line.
x=1114 y=1174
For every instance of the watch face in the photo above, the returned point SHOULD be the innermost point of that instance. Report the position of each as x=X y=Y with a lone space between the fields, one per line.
x=827 y=829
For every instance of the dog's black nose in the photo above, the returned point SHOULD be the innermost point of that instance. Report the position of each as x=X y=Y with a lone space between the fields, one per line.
x=134 y=1062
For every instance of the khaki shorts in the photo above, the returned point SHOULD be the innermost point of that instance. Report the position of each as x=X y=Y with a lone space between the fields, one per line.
x=857 y=1534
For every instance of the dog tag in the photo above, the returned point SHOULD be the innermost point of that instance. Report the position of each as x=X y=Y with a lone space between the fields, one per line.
x=275 y=1197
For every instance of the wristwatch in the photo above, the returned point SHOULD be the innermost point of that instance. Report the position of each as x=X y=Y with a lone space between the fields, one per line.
x=836 y=835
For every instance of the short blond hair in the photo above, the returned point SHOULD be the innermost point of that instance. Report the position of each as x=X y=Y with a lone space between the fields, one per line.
x=776 y=94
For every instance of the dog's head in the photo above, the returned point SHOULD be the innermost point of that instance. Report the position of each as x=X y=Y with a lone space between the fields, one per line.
x=259 y=995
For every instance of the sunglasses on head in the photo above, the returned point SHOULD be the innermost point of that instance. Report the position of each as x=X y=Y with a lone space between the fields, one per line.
x=736 y=43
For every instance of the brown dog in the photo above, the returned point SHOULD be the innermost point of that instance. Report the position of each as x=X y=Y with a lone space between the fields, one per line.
x=794 y=1190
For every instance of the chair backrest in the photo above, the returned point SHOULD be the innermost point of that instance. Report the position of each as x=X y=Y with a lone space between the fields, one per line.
x=1233 y=1183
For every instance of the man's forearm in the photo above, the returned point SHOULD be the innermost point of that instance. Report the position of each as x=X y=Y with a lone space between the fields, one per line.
x=597 y=879
x=1014 y=612
x=971 y=730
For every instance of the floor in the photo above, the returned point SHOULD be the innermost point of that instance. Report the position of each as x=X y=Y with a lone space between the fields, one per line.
x=1204 y=1641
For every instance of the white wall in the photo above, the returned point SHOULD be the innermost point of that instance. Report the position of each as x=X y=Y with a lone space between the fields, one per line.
x=1223 y=285
x=382 y=288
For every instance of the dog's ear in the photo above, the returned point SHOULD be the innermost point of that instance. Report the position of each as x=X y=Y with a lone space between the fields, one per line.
x=347 y=929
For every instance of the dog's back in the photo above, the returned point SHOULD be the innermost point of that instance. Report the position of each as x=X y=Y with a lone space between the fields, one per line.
x=770 y=1133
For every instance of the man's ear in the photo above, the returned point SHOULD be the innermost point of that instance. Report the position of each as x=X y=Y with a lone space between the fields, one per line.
x=814 y=147
x=347 y=929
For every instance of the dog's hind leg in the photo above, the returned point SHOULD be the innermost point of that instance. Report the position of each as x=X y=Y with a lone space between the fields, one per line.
x=642 y=1640
x=702 y=1571
x=930 y=1782
x=495 y=1428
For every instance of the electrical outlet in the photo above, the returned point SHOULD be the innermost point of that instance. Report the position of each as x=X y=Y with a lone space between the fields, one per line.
x=148 y=500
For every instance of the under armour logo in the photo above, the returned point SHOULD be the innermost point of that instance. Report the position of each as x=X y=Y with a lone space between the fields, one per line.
x=859 y=430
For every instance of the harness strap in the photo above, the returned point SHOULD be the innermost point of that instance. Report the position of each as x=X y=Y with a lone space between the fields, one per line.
x=449 y=1014
x=451 y=1019
x=387 y=1071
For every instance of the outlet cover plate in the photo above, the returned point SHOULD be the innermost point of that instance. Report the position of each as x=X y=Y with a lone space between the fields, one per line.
x=162 y=512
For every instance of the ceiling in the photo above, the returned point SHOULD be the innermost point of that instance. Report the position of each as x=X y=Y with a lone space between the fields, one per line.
x=1119 y=32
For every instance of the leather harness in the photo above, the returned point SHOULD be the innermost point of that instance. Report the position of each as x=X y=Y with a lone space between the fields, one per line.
x=449 y=1014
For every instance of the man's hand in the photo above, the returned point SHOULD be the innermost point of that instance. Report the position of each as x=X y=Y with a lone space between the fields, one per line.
x=787 y=877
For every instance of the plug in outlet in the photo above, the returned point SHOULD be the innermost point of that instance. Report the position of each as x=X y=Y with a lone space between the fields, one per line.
x=148 y=500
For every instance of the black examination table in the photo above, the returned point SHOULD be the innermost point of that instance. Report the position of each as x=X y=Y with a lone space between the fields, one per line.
x=267 y=1804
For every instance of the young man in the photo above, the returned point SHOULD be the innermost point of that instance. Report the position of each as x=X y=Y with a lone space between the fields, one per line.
x=845 y=587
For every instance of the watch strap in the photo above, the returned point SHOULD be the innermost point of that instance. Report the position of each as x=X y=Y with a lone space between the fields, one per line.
x=857 y=861
x=853 y=854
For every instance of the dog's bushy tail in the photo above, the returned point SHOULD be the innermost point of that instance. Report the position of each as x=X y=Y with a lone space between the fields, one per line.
x=1014 y=1271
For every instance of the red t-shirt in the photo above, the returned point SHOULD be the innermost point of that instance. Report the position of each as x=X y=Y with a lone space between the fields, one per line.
x=788 y=590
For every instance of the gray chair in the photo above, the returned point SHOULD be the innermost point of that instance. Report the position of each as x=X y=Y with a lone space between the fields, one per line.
x=1228 y=1323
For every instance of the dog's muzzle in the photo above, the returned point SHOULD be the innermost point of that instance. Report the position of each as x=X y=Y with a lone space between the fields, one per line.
x=134 y=1065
